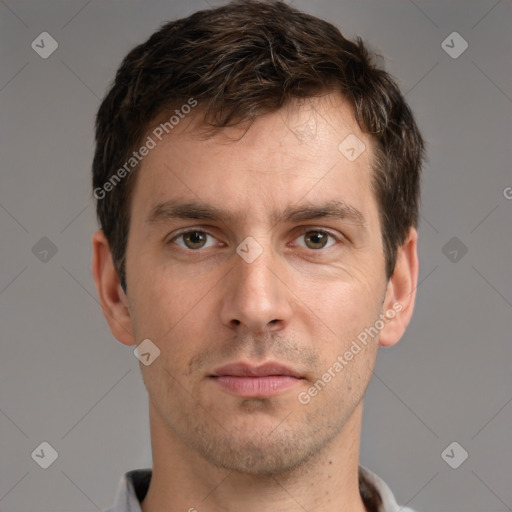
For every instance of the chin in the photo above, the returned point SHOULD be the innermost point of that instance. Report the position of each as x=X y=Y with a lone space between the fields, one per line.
x=257 y=460
x=259 y=452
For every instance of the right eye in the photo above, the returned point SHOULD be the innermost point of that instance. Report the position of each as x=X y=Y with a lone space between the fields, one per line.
x=193 y=240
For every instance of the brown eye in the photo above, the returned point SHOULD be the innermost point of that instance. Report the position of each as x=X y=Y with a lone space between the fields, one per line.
x=316 y=239
x=194 y=240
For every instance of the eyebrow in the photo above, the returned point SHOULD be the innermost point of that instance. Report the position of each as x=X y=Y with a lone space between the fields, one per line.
x=178 y=209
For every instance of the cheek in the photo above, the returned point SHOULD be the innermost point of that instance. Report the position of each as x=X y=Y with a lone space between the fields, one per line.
x=343 y=306
x=162 y=301
x=337 y=334
x=176 y=328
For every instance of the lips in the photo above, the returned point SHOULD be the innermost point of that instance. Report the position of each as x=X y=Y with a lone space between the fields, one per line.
x=263 y=381
x=246 y=370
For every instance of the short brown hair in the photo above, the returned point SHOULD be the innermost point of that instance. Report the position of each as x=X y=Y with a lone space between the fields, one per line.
x=238 y=62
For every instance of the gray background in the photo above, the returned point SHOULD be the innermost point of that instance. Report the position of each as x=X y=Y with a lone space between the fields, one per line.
x=65 y=380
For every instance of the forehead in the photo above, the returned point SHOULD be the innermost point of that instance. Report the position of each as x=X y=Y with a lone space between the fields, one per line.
x=311 y=150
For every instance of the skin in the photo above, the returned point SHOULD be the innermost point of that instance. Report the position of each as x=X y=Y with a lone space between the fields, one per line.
x=298 y=303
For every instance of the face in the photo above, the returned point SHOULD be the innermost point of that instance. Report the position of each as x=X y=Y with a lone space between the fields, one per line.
x=261 y=251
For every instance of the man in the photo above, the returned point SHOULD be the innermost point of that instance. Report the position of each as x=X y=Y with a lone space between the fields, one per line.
x=257 y=185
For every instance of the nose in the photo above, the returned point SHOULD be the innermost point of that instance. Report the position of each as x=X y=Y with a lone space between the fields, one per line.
x=256 y=300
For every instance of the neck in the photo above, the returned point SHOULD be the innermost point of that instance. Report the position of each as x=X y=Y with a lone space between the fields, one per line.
x=184 y=481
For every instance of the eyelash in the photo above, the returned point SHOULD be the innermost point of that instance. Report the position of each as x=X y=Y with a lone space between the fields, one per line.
x=303 y=232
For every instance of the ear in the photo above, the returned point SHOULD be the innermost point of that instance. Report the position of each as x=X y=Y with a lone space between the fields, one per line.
x=401 y=292
x=113 y=300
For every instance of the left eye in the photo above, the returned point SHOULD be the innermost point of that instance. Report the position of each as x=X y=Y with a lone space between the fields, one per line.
x=316 y=239
x=194 y=240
